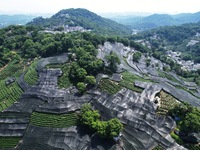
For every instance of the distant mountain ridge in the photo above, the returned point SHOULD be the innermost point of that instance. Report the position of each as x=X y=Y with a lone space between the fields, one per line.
x=6 y=20
x=158 y=20
x=84 y=18
x=188 y=17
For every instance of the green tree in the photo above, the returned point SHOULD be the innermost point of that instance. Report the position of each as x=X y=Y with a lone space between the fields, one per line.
x=28 y=49
x=138 y=46
x=73 y=70
x=148 y=62
x=108 y=129
x=1 y=40
x=101 y=127
x=186 y=57
x=86 y=107
x=90 y=80
x=81 y=87
x=112 y=39
x=67 y=43
x=189 y=117
x=90 y=49
x=198 y=71
x=179 y=110
x=88 y=116
x=191 y=123
x=137 y=56
x=95 y=66
x=114 y=127
x=113 y=61
x=76 y=73
x=105 y=129
x=81 y=73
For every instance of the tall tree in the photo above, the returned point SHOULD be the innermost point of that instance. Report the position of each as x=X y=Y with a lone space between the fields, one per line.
x=113 y=61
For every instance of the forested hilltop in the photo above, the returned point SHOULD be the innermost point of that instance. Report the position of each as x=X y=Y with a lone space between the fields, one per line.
x=83 y=18
x=157 y=20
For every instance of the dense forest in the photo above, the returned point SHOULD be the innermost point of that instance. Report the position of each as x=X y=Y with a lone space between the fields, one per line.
x=28 y=42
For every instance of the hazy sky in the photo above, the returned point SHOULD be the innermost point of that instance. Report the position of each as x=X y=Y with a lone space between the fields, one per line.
x=99 y=6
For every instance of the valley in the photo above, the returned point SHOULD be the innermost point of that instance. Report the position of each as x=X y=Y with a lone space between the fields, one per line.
x=68 y=82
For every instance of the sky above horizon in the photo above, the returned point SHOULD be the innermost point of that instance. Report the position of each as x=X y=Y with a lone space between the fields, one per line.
x=99 y=6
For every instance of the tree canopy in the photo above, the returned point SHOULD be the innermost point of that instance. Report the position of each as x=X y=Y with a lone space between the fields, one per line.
x=105 y=129
x=81 y=87
x=137 y=56
x=113 y=60
x=189 y=117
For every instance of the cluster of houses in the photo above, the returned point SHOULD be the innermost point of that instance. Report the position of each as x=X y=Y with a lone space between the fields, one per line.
x=186 y=65
x=65 y=29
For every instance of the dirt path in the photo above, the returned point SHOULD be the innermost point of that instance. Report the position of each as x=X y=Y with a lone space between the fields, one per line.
x=3 y=67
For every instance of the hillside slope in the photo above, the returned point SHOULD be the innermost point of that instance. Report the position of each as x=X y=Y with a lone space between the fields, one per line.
x=6 y=20
x=157 y=20
x=83 y=18
x=184 y=38
x=154 y=21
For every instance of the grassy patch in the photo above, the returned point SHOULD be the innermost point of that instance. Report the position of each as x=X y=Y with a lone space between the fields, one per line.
x=187 y=90
x=109 y=86
x=190 y=79
x=31 y=76
x=129 y=79
x=168 y=76
x=177 y=138
x=132 y=77
x=127 y=82
x=130 y=86
x=54 y=120
x=63 y=81
x=9 y=142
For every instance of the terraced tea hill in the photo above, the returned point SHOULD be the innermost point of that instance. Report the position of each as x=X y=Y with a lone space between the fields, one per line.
x=128 y=81
x=31 y=76
x=63 y=81
x=109 y=86
x=54 y=120
x=13 y=69
x=9 y=94
x=167 y=102
x=9 y=142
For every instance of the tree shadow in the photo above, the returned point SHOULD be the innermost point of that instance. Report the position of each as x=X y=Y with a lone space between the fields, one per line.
x=83 y=130
x=98 y=143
